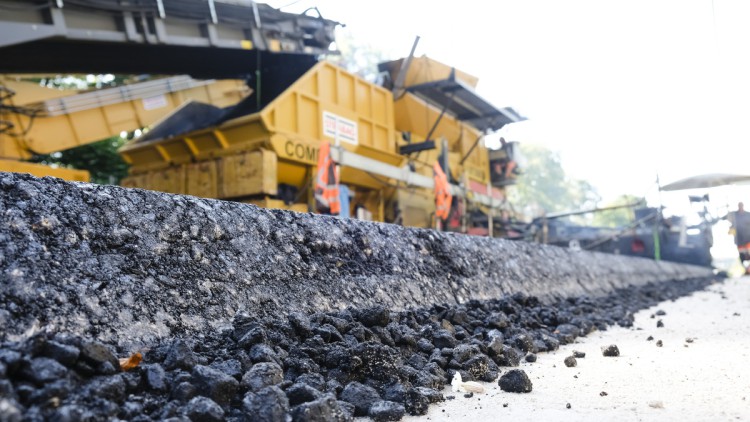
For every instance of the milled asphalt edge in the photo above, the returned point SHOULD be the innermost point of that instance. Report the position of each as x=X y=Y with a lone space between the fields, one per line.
x=131 y=266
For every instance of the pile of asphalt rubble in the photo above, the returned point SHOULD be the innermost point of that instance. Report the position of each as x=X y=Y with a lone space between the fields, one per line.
x=307 y=367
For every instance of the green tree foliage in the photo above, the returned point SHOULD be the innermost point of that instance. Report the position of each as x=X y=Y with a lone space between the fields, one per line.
x=544 y=188
x=358 y=57
x=100 y=159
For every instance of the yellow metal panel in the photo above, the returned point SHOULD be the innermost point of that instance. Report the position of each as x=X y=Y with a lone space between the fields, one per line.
x=309 y=110
x=202 y=179
x=298 y=150
x=416 y=206
x=327 y=88
x=121 y=117
x=297 y=208
x=363 y=96
x=61 y=132
x=40 y=170
x=346 y=90
x=424 y=69
x=11 y=146
x=267 y=203
x=134 y=181
x=248 y=174
x=242 y=134
x=292 y=173
x=326 y=77
x=170 y=180
x=31 y=92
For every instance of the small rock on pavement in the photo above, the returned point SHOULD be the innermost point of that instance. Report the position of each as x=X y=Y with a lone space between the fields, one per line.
x=530 y=357
x=262 y=375
x=361 y=396
x=203 y=409
x=214 y=384
x=570 y=361
x=659 y=343
x=650 y=338
x=659 y=324
x=267 y=405
x=656 y=404
x=578 y=355
x=44 y=370
x=515 y=381
x=301 y=393
x=603 y=393
x=387 y=411
x=611 y=351
x=567 y=406
x=325 y=408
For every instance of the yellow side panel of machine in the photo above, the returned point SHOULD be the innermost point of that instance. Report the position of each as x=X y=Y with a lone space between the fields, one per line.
x=135 y=181
x=203 y=179
x=330 y=103
x=170 y=180
x=248 y=174
x=41 y=170
x=423 y=70
x=59 y=132
x=417 y=207
x=242 y=134
x=416 y=116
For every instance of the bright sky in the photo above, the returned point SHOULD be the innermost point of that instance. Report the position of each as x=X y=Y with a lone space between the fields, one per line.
x=622 y=89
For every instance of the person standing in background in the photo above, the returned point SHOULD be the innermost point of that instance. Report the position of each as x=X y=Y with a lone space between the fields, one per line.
x=740 y=220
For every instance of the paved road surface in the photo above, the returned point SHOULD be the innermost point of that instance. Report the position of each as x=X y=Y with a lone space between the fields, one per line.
x=706 y=380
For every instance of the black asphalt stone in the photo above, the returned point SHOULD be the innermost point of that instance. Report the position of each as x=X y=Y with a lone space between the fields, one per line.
x=262 y=375
x=578 y=355
x=375 y=316
x=155 y=377
x=302 y=393
x=515 y=381
x=324 y=409
x=43 y=370
x=570 y=361
x=481 y=368
x=386 y=411
x=231 y=367
x=214 y=384
x=180 y=355
x=361 y=396
x=111 y=388
x=417 y=402
x=444 y=339
x=183 y=391
x=267 y=405
x=64 y=353
x=531 y=357
x=611 y=351
x=203 y=409
x=97 y=354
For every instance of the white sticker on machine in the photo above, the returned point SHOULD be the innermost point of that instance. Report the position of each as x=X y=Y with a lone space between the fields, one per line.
x=152 y=103
x=339 y=128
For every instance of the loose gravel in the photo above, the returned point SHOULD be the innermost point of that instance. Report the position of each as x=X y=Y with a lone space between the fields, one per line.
x=307 y=367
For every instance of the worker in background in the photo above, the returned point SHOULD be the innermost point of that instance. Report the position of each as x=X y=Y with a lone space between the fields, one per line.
x=443 y=197
x=740 y=220
x=327 y=196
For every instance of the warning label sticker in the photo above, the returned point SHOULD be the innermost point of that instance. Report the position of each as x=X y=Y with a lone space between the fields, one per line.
x=339 y=128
